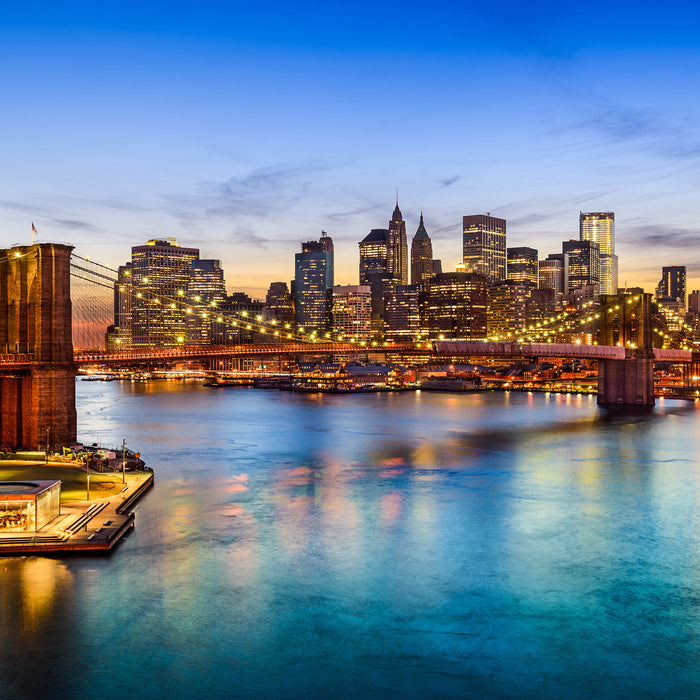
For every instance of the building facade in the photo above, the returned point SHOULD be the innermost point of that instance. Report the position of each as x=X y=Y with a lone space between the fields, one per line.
x=453 y=306
x=402 y=313
x=672 y=286
x=599 y=227
x=484 y=246
x=352 y=312
x=523 y=265
x=313 y=285
x=421 y=255
x=584 y=264
x=397 y=248
x=160 y=274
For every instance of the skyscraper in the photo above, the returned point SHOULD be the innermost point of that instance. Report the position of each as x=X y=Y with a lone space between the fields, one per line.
x=671 y=287
x=552 y=275
x=584 y=264
x=421 y=255
x=313 y=284
x=401 y=313
x=453 y=306
x=352 y=312
x=160 y=272
x=374 y=253
x=600 y=228
x=397 y=248
x=484 y=246
x=522 y=265
x=206 y=290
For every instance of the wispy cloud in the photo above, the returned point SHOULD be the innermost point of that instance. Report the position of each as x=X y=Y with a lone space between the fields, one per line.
x=450 y=180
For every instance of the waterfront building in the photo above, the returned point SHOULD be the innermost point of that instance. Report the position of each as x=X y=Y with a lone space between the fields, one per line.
x=600 y=228
x=401 y=313
x=397 y=248
x=421 y=255
x=584 y=264
x=352 y=312
x=313 y=284
x=553 y=275
x=484 y=246
x=671 y=288
x=453 y=306
x=206 y=290
x=505 y=314
x=523 y=265
x=160 y=274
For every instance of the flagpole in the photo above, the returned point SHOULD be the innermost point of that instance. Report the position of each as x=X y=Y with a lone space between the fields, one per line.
x=33 y=232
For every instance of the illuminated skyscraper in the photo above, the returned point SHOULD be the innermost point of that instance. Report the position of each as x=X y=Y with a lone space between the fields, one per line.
x=453 y=306
x=206 y=290
x=421 y=255
x=600 y=228
x=484 y=246
x=554 y=275
x=522 y=265
x=397 y=248
x=401 y=313
x=160 y=272
x=374 y=253
x=352 y=306
x=584 y=264
x=313 y=284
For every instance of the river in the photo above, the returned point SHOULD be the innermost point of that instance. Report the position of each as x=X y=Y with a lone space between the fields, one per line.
x=404 y=545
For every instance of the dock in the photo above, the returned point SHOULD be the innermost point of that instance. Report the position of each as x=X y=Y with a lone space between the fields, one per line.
x=88 y=527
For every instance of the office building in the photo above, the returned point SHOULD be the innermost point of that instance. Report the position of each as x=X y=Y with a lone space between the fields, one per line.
x=278 y=305
x=206 y=290
x=671 y=287
x=352 y=312
x=553 y=274
x=584 y=264
x=374 y=252
x=421 y=255
x=401 y=313
x=599 y=227
x=119 y=336
x=160 y=273
x=505 y=313
x=397 y=248
x=313 y=284
x=484 y=246
x=453 y=306
x=523 y=266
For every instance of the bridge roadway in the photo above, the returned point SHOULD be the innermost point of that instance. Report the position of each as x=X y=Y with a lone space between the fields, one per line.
x=573 y=350
x=452 y=348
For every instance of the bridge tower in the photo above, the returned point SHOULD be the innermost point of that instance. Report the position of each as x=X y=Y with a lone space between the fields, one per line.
x=37 y=375
x=626 y=321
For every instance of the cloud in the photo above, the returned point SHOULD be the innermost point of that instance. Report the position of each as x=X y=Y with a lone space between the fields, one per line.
x=74 y=224
x=450 y=180
x=258 y=194
x=653 y=235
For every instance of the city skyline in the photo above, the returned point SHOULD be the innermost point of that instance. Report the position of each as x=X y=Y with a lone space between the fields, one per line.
x=245 y=132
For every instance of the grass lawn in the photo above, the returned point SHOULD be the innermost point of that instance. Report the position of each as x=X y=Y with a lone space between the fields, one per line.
x=73 y=479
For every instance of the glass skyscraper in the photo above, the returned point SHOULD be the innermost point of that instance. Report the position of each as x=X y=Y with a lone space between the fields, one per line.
x=600 y=228
x=484 y=246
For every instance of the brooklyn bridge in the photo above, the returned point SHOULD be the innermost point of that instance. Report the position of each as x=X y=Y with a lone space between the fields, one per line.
x=50 y=297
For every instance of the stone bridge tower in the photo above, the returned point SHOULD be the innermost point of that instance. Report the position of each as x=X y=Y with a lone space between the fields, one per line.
x=626 y=321
x=37 y=372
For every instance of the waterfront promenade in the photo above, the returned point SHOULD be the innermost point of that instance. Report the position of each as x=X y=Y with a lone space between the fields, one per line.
x=96 y=525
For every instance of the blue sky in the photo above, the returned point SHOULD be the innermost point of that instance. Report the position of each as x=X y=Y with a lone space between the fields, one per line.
x=246 y=129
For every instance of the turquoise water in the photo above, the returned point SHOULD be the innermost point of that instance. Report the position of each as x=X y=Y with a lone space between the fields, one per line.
x=393 y=545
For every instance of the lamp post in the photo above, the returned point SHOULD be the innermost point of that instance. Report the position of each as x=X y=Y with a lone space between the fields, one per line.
x=87 y=473
x=124 y=461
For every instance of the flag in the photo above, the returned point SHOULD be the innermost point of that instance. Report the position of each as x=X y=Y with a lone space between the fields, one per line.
x=33 y=227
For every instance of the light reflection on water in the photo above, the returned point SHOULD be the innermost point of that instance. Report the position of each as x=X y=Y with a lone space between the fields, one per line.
x=420 y=545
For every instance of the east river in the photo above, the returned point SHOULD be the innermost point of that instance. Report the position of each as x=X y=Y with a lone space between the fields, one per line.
x=409 y=545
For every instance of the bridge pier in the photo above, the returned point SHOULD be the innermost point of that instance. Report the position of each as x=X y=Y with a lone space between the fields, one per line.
x=628 y=382
x=37 y=376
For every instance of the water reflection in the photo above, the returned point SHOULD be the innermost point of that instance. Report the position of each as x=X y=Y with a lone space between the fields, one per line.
x=414 y=544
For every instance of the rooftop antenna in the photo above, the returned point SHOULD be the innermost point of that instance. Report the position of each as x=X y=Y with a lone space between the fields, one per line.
x=397 y=196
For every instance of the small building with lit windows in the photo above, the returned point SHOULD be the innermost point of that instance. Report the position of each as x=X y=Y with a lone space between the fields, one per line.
x=27 y=506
